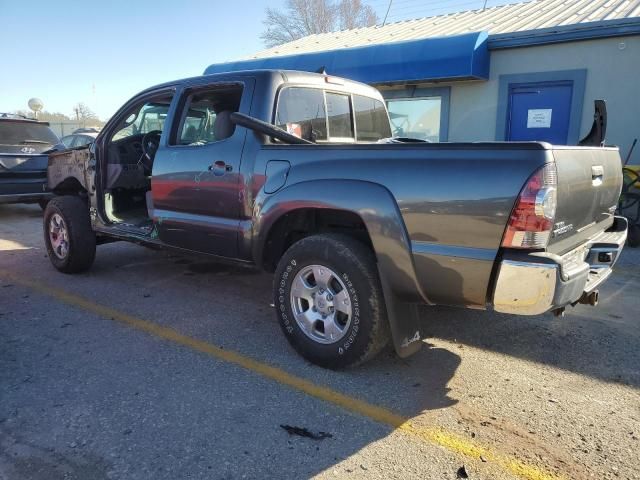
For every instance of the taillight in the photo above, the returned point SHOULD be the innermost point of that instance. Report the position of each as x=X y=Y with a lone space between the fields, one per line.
x=532 y=217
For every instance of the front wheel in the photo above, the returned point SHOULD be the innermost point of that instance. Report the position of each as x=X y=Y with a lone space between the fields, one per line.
x=329 y=301
x=68 y=236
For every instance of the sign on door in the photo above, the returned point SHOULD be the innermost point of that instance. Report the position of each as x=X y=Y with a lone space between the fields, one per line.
x=539 y=118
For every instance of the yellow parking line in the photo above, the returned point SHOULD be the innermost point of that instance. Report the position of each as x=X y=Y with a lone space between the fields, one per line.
x=432 y=435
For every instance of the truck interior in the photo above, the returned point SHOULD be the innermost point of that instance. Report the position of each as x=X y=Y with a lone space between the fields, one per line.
x=203 y=117
x=131 y=150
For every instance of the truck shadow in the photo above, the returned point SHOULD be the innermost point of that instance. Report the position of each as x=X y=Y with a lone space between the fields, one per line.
x=230 y=308
x=416 y=388
x=601 y=342
x=184 y=303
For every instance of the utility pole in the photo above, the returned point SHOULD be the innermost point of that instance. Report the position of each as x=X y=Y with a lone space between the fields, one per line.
x=387 y=14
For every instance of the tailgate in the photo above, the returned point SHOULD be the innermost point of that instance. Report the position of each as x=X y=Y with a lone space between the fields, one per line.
x=589 y=184
x=14 y=163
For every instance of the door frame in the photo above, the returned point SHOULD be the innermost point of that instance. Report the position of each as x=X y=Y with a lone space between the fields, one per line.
x=205 y=224
x=508 y=81
x=99 y=148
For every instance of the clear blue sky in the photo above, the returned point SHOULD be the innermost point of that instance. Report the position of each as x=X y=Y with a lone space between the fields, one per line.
x=104 y=52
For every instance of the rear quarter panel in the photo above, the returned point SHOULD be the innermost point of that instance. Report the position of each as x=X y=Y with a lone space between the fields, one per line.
x=454 y=201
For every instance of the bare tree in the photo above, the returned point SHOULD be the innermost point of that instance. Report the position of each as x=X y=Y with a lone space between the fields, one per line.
x=83 y=112
x=355 y=14
x=300 y=18
x=45 y=116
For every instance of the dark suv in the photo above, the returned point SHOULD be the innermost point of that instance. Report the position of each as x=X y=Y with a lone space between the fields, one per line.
x=24 y=144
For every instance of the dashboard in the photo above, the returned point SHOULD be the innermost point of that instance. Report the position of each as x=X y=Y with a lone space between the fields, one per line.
x=124 y=167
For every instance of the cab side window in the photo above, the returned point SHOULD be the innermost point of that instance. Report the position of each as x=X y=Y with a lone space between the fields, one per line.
x=206 y=115
x=301 y=112
x=339 y=115
x=321 y=116
x=371 y=118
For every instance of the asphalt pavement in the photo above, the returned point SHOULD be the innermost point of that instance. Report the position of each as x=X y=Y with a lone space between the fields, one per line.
x=158 y=366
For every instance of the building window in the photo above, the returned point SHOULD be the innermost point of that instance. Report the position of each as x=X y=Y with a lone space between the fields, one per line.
x=416 y=118
x=419 y=113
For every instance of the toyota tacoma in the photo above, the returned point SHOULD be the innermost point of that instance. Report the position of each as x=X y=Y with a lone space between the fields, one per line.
x=294 y=173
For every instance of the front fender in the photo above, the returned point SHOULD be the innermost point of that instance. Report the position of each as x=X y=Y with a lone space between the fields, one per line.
x=377 y=208
x=66 y=164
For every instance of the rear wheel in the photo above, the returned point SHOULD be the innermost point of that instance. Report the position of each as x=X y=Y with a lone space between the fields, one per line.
x=329 y=301
x=68 y=236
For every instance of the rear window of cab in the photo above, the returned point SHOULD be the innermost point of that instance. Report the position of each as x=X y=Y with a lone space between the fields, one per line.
x=324 y=116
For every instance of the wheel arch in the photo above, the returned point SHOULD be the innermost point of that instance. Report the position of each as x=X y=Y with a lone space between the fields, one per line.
x=69 y=186
x=67 y=172
x=372 y=209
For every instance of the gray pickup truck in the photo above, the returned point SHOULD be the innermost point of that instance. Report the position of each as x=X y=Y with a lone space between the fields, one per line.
x=294 y=173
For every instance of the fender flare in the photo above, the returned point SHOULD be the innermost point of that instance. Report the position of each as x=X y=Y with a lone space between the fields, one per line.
x=377 y=208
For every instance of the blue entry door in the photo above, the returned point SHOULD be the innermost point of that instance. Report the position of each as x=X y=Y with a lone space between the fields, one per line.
x=540 y=111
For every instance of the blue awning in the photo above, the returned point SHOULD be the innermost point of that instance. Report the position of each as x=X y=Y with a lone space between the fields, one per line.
x=459 y=57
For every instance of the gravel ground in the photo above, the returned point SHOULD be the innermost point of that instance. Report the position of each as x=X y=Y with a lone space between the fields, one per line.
x=85 y=396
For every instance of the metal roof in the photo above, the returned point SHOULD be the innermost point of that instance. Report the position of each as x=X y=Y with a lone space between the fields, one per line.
x=515 y=17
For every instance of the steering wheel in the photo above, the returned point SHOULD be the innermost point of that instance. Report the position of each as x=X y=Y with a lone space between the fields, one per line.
x=150 y=144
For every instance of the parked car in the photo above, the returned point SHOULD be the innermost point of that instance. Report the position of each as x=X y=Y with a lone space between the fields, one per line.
x=292 y=173
x=24 y=147
x=79 y=139
x=87 y=130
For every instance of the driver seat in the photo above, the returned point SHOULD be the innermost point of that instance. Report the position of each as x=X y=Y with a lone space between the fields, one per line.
x=190 y=135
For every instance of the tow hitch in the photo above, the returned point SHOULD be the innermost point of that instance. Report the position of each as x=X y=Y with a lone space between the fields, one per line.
x=587 y=298
x=590 y=298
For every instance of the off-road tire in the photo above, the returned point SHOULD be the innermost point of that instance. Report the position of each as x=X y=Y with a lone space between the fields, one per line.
x=355 y=264
x=81 y=237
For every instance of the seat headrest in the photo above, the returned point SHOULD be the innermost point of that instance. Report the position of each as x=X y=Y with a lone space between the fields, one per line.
x=190 y=135
x=223 y=127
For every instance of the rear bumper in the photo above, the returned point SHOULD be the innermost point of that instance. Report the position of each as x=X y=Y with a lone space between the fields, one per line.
x=23 y=189
x=534 y=283
x=25 y=198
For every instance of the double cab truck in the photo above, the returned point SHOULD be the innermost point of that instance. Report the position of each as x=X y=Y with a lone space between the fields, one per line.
x=296 y=173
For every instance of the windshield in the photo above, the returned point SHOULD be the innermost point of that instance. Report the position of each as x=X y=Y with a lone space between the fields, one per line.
x=26 y=133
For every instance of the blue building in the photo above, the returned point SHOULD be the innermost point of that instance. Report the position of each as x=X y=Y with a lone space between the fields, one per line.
x=523 y=71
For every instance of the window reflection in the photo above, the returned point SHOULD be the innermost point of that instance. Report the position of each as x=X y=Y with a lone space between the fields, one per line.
x=416 y=117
